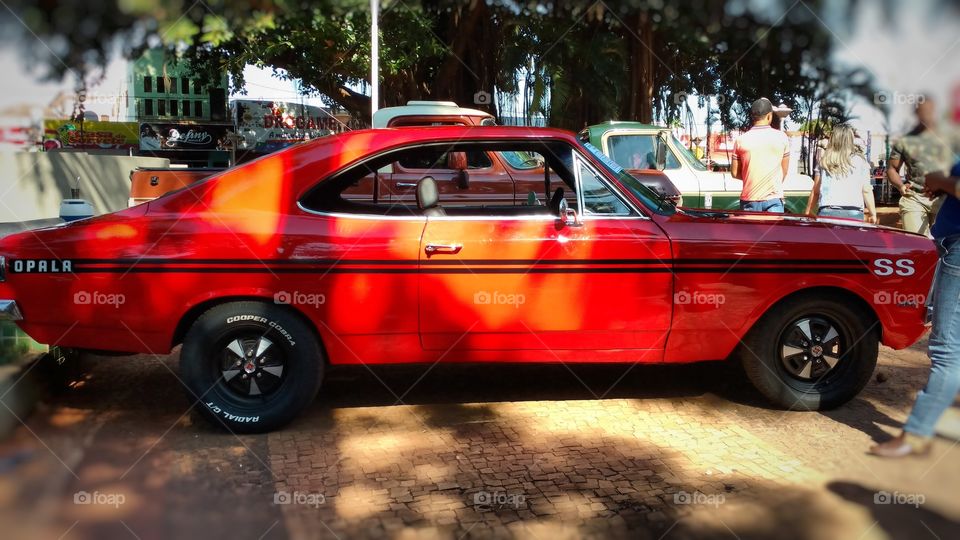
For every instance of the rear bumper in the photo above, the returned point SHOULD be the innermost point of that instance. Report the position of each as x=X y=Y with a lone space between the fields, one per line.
x=9 y=311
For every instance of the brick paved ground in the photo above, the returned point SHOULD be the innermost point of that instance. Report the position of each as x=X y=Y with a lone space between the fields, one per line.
x=476 y=452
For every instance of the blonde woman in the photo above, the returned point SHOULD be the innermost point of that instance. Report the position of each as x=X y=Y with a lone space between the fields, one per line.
x=841 y=184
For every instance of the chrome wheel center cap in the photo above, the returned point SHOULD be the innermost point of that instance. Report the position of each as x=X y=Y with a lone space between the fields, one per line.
x=249 y=367
x=816 y=350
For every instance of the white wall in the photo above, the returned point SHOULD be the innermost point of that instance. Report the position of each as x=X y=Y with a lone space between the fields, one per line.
x=32 y=184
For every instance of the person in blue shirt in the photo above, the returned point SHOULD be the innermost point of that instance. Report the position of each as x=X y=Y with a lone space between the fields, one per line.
x=944 y=381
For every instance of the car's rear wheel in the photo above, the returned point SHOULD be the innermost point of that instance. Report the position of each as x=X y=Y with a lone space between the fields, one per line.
x=251 y=367
x=811 y=353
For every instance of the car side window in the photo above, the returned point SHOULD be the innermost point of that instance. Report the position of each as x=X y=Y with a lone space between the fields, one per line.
x=598 y=199
x=366 y=189
x=435 y=158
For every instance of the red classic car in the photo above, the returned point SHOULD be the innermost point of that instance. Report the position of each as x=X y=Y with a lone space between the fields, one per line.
x=270 y=271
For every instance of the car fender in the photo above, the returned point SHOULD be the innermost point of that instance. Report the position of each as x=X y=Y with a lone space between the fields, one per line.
x=889 y=316
x=196 y=305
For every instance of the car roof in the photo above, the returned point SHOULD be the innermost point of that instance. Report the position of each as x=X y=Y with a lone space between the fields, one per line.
x=382 y=117
x=374 y=140
x=597 y=130
x=295 y=169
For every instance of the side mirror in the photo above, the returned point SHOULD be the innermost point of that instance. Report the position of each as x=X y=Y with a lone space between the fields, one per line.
x=661 y=153
x=567 y=217
x=571 y=219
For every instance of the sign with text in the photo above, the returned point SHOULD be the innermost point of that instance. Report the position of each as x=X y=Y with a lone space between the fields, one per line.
x=89 y=134
x=267 y=126
x=159 y=136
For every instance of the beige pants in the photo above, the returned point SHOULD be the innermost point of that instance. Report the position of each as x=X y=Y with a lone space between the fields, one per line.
x=918 y=212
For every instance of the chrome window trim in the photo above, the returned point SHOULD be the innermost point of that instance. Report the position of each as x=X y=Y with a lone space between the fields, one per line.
x=520 y=217
x=616 y=193
x=577 y=155
x=360 y=216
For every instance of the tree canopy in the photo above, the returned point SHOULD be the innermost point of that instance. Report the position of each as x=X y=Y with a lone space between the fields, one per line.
x=580 y=62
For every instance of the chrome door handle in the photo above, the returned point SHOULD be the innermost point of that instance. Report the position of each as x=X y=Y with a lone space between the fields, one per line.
x=405 y=185
x=450 y=249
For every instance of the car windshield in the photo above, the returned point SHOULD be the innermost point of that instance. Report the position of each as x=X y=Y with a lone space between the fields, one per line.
x=688 y=155
x=647 y=196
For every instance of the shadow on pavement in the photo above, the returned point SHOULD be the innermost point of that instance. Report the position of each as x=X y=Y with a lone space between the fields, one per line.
x=901 y=515
x=126 y=430
x=364 y=386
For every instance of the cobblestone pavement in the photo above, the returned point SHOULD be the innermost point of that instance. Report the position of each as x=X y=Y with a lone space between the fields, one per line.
x=477 y=452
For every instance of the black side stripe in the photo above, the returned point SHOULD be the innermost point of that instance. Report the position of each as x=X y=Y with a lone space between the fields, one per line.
x=466 y=270
x=473 y=262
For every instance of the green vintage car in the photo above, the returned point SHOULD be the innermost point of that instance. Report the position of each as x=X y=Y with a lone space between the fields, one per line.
x=634 y=146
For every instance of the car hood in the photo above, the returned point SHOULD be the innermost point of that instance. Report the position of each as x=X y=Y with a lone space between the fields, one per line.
x=767 y=219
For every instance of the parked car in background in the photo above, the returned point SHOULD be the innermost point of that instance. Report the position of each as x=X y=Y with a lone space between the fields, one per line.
x=395 y=182
x=488 y=168
x=281 y=272
x=634 y=146
x=148 y=183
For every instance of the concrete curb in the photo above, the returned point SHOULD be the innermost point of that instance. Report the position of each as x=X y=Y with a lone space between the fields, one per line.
x=23 y=385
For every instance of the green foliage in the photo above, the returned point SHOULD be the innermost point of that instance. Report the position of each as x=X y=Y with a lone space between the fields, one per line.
x=578 y=58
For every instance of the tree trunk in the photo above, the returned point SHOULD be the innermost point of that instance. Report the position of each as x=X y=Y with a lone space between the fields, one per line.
x=641 y=72
x=467 y=74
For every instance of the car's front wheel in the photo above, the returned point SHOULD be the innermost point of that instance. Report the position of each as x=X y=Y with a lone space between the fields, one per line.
x=251 y=367
x=811 y=352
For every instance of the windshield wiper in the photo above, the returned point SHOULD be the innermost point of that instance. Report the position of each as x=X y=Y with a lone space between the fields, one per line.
x=705 y=213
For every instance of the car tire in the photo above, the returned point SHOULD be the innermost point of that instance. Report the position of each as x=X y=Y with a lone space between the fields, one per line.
x=251 y=367
x=793 y=376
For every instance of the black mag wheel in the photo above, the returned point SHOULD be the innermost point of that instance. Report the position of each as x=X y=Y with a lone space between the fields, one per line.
x=251 y=367
x=811 y=347
x=811 y=352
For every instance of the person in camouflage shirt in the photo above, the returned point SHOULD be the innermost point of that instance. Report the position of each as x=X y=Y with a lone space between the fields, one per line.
x=924 y=150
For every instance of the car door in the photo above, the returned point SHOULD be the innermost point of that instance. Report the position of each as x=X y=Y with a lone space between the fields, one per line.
x=535 y=283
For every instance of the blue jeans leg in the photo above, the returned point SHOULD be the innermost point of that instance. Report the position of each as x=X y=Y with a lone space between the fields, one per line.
x=841 y=213
x=773 y=205
x=944 y=381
